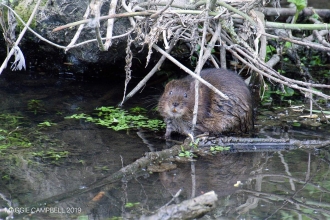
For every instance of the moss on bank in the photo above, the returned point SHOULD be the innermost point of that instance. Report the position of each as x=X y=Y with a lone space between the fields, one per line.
x=24 y=9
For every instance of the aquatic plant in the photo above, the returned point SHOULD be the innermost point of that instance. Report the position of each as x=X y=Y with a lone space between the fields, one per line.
x=11 y=134
x=131 y=204
x=215 y=149
x=102 y=168
x=300 y=4
x=119 y=119
x=46 y=124
x=194 y=143
x=186 y=153
x=51 y=154
x=35 y=106
x=285 y=95
x=138 y=110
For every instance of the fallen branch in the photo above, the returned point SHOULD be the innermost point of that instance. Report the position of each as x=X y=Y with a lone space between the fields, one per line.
x=188 y=209
x=260 y=145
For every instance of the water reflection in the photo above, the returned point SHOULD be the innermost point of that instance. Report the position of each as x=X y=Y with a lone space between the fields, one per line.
x=274 y=185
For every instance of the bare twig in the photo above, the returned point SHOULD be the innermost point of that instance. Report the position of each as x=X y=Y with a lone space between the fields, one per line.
x=81 y=27
x=200 y=65
x=163 y=9
x=266 y=68
x=223 y=60
x=307 y=44
x=231 y=8
x=211 y=44
x=112 y=10
x=150 y=74
x=321 y=39
x=273 y=60
x=93 y=40
x=128 y=9
x=294 y=86
x=123 y=15
x=95 y=6
x=260 y=18
x=164 y=3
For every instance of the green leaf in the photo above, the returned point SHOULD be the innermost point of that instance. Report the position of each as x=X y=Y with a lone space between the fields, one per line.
x=288 y=92
x=288 y=44
x=130 y=204
x=296 y=124
x=270 y=49
x=300 y=4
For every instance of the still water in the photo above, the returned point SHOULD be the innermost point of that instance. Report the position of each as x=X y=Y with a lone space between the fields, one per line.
x=54 y=172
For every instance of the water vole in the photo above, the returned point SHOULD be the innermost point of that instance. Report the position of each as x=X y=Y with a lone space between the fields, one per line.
x=215 y=114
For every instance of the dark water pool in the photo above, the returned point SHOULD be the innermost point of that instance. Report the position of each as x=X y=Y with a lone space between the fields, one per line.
x=52 y=172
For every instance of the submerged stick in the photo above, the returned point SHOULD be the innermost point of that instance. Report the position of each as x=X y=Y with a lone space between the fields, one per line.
x=188 y=209
x=237 y=145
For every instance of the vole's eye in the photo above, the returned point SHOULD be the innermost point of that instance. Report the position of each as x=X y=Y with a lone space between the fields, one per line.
x=170 y=93
x=185 y=95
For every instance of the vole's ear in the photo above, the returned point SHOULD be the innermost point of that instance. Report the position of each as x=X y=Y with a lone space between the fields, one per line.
x=169 y=84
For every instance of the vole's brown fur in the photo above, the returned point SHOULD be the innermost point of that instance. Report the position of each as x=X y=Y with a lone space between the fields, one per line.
x=215 y=114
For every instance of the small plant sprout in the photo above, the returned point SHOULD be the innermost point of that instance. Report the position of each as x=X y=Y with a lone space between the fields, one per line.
x=194 y=143
x=185 y=153
x=46 y=124
x=51 y=155
x=215 y=149
x=35 y=106
x=131 y=204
